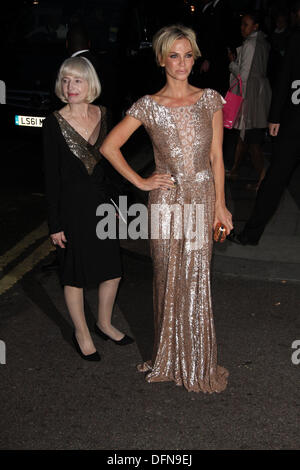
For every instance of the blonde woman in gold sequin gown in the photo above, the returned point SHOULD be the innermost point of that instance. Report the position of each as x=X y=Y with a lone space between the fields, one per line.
x=186 y=128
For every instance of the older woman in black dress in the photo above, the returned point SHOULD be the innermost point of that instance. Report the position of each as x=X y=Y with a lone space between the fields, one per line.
x=76 y=184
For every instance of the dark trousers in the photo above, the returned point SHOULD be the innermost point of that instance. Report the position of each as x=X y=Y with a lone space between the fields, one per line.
x=283 y=162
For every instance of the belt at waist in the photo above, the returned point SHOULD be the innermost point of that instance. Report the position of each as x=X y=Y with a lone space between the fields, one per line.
x=179 y=178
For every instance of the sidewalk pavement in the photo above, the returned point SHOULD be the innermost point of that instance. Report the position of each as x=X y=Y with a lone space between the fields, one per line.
x=277 y=257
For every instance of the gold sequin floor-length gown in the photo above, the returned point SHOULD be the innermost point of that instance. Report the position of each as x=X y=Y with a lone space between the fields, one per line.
x=185 y=348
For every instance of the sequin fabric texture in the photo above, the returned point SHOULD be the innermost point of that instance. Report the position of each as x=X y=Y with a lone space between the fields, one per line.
x=185 y=349
x=86 y=151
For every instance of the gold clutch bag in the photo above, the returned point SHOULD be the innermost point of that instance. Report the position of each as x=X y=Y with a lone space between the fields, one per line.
x=220 y=233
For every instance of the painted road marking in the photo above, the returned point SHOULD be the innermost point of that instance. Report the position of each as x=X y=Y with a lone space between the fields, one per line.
x=25 y=266
x=31 y=238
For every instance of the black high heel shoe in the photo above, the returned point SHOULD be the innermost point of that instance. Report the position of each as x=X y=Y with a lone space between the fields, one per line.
x=122 y=342
x=88 y=357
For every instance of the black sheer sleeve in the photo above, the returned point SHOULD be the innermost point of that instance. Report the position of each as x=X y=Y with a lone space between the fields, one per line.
x=52 y=171
x=114 y=182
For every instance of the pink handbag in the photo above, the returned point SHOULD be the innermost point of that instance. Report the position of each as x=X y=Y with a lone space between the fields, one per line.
x=232 y=107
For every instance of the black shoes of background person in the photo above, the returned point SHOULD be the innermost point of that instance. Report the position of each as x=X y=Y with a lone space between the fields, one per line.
x=240 y=239
x=122 y=342
x=88 y=357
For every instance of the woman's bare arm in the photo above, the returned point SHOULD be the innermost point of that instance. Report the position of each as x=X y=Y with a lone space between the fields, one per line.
x=217 y=165
x=111 y=150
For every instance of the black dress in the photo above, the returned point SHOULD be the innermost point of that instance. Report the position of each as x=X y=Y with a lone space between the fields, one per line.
x=76 y=182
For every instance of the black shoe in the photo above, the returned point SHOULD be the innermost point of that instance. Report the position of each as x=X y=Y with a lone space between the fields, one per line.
x=122 y=342
x=240 y=239
x=88 y=357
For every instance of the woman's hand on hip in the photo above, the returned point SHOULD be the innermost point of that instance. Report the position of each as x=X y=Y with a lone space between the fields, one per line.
x=58 y=239
x=223 y=215
x=157 y=181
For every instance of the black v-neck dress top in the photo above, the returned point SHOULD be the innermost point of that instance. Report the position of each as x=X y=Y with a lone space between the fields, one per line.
x=75 y=184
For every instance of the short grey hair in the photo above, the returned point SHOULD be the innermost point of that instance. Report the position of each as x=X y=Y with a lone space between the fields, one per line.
x=79 y=67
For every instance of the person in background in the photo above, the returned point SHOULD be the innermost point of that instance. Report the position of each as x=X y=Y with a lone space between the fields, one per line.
x=215 y=35
x=251 y=64
x=78 y=44
x=203 y=30
x=279 y=41
x=75 y=185
x=280 y=36
x=284 y=125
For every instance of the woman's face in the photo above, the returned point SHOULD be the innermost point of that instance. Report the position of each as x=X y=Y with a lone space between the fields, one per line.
x=179 y=61
x=281 y=22
x=75 y=89
x=248 y=26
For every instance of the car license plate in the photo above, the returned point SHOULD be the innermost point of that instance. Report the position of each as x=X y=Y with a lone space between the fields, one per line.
x=30 y=121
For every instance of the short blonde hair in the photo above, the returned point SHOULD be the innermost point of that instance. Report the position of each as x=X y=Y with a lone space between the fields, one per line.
x=165 y=37
x=79 y=67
